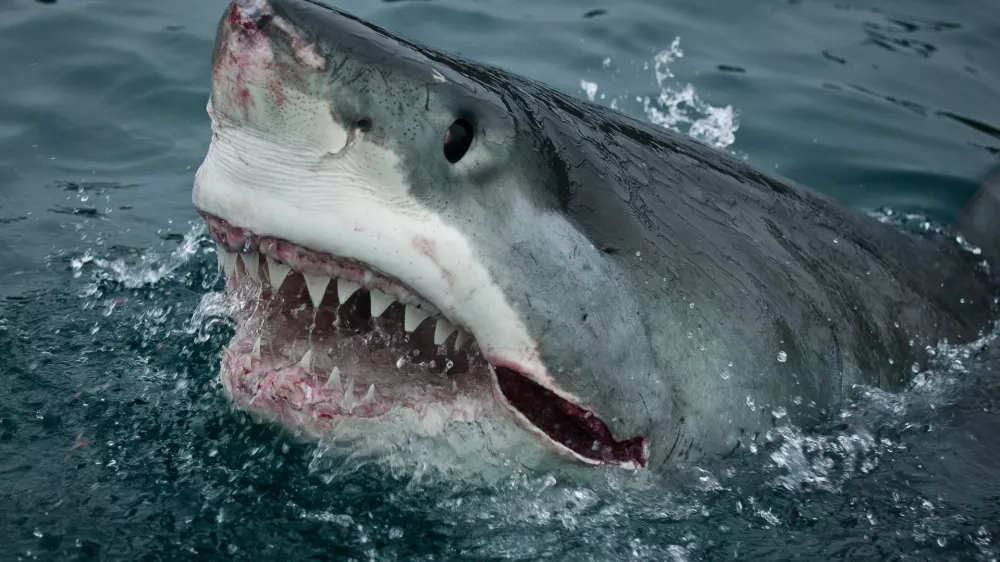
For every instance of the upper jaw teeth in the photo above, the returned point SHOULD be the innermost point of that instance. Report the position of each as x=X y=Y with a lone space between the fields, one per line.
x=414 y=316
x=345 y=289
x=380 y=302
x=316 y=285
x=317 y=288
x=443 y=329
x=277 y=272
x=227 y=261
x=251 y=261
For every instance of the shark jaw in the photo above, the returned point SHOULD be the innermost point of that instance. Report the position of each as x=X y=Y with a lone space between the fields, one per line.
x=322 y=339
x=353 y=299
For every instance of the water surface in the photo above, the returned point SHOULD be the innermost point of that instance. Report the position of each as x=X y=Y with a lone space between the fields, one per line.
x=116 y=443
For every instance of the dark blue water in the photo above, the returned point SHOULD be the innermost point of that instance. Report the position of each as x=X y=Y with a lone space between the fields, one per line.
x=116 y=443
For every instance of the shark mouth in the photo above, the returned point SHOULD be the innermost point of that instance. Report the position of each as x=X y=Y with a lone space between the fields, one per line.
x=322 y=339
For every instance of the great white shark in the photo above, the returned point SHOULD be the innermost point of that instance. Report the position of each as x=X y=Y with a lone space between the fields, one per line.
x=410 y=235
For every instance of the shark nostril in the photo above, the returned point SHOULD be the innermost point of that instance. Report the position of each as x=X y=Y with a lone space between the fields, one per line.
x=364 y=125
x=263 y=21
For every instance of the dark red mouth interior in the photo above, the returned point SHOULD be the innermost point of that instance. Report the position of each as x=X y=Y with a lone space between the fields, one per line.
x=566 y=423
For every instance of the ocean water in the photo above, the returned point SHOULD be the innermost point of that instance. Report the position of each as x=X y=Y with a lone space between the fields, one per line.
x=116 y=442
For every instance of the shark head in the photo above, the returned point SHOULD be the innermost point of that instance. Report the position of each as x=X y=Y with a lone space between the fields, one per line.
x=393 y=225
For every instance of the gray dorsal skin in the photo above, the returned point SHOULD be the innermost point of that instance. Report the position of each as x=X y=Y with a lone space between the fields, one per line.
x=675 y=289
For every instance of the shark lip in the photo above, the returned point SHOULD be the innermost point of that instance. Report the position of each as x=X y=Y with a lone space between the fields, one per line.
x=456 y=382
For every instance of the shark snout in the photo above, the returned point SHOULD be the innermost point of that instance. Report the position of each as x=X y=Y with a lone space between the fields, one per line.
x=263 y=65
x=249 y=14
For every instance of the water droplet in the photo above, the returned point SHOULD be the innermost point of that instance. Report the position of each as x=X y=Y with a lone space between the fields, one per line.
x=725 y=375
x=691 y=305
x=892 y=362
x=915 y=368
x=779 y=412
x=797 y=400
x=749 y=401
x=782 y=357
x=638 y=254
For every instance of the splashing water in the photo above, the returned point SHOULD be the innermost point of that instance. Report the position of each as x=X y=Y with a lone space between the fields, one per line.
x=150 y=267
x=677 y=106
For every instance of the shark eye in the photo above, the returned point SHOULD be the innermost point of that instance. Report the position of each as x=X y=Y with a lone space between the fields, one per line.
x=457 y=140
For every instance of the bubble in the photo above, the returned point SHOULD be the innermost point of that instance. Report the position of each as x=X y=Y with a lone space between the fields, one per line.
x=782 y=357
x=779 y=412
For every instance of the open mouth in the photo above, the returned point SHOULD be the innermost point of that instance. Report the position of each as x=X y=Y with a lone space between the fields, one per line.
x=322 y=339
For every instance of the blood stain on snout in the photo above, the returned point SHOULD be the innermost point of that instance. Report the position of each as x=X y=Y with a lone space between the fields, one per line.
x=429 y=249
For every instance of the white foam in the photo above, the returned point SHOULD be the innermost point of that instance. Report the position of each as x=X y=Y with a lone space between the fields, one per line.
x=147 y=268
x=678 y=105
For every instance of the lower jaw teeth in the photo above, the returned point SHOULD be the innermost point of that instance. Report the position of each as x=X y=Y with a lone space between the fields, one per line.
x=333 y=382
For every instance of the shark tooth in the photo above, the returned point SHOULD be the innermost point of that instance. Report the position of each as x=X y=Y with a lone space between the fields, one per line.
x=463 y=337
x=256 y=349
x=307 y=360
x=251 y=261
x=414 y=316
x=229 y=262
x=334 y=381
x=345 y=289
x=317 y=286
x=442 y=331
x=247 y=365
x=220 y=255
x=370 y=395
x=380 y=302
x=277 y=272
